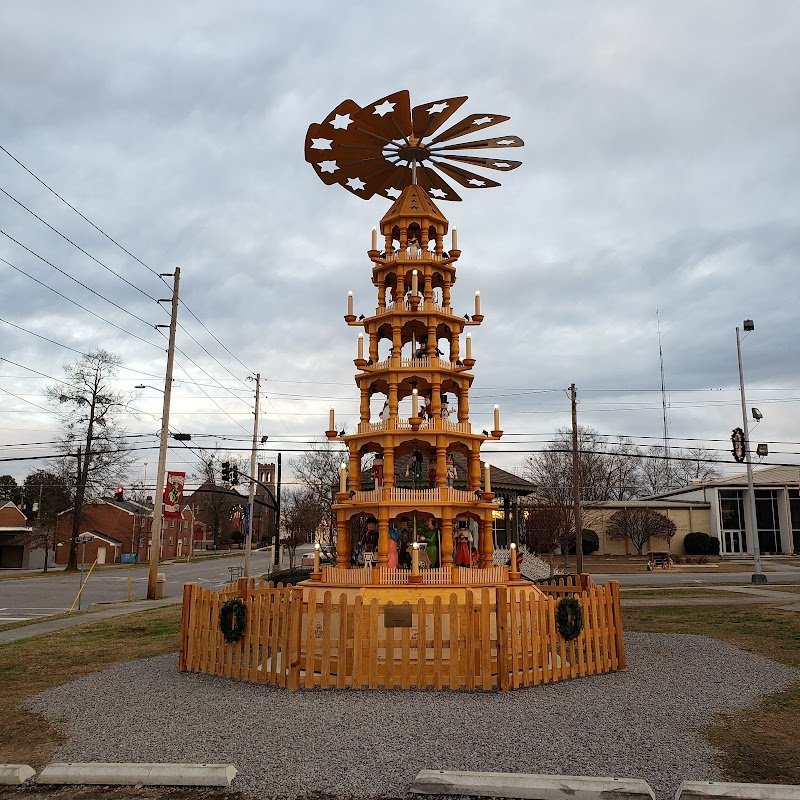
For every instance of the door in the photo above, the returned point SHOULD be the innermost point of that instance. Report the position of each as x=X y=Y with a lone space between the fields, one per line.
x=101 y=555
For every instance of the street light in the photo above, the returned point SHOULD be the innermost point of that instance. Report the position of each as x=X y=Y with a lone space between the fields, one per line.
x=750 y=523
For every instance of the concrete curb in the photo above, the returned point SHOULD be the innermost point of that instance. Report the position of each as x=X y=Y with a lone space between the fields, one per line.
x=704 y=790
x=15 y=774
x=131 y=774
x=535 y=787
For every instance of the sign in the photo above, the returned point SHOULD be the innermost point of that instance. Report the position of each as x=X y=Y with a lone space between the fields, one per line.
x=173 y=494
x=238 y=515
x=84 y=538
x=737 y=437
x=397 y=616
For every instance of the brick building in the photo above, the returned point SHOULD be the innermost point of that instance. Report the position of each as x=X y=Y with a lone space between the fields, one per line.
x=121 y=528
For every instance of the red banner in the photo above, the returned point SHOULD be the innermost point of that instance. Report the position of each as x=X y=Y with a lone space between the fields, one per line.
x=173 y=494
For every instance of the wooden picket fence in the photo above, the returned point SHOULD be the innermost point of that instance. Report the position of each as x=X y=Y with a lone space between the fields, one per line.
x=315 y=639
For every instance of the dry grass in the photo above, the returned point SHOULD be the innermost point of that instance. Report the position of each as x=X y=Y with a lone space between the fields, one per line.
x=760 y=744
x=32 y=665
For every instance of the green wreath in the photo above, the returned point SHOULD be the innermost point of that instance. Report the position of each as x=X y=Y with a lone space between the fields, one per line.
x=569 y=618
x=233 y=619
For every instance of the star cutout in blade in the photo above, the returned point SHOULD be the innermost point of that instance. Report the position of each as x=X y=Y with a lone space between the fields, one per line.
x=384 y=108
x=341 y=122
x=384 y=146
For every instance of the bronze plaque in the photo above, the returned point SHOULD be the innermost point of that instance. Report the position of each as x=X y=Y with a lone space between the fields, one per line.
x=397 y=616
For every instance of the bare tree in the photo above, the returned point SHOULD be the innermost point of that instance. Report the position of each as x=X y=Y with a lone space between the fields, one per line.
x=639 y=525
x=91 y=430
x=215 y=496
x=548 y=525
x=317 y=470
x=695 y=464
x=301 y=515
x=44 y=496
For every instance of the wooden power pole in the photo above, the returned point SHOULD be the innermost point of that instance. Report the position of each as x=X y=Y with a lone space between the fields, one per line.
x=576 y=485
x=248 y=541
x=158 y=500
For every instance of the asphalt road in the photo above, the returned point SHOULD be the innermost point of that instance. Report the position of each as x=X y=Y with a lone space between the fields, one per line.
x=40 y=595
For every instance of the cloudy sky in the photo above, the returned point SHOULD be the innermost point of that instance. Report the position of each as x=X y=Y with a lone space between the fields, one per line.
x=661 y=172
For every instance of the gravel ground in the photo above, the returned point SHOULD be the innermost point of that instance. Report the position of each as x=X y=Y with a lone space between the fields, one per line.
x=639 y=723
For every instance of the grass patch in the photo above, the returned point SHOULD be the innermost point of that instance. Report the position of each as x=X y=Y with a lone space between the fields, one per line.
x=759 y=744
x=30 y=666
x=642 y=594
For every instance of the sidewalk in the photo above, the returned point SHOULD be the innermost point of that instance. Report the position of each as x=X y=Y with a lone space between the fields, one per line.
x=95 y=614
x=748 y=595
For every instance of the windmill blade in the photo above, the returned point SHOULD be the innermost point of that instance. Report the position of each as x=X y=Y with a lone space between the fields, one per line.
x=374 y=178
x=465 y=177
x=398 y=178
x=481 y=144
x=389 y=117
x=470 y=124
x=488 y=163
x=430 y=117
x=434 y=184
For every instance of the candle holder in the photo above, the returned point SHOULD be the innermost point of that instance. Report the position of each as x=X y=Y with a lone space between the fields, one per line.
x=332 y=434
x=496 y=434
x=414 y=300
x=360 y=362
x=476 y=318
x=415 y=423
x=469 y=363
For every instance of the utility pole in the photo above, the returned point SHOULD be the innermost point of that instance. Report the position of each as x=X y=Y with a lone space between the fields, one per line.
x=750 y=521
x=576 y=485
x=248 y=540
x=158 y=500
x=277 y=559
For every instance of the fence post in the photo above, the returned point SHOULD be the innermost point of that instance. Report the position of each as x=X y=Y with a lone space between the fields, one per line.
x=614 y=588
x=185 y=618
x=502 y=638
x=295 y=632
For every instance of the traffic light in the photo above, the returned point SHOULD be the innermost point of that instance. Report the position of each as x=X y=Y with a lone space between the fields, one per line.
x=226 y=471
x=119 y=494
x=234 y=475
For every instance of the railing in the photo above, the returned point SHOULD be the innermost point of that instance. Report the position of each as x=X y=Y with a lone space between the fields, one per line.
x=435 y=424
x=397 y=495
x=434 y=576
x=404 y=305
x=393 y=577
x=414 y=255
x=338 y=576
x=303 y=637
x=423 y=362
x=368 y=496
x=473 y=575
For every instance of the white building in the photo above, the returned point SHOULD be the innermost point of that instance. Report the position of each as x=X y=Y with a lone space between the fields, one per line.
x=777 y=495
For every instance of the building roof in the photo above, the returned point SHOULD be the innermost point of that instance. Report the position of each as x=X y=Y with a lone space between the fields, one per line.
x=106 y=538
x=500 y=478
x=767 y=476
x=639 y=503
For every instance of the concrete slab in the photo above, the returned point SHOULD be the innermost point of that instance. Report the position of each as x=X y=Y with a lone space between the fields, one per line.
x=15 y=774
x=536 y=787
x=131 y=774
x=705 y=790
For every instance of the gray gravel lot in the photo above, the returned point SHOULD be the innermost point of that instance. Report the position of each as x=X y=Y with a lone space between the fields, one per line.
x=640 y=723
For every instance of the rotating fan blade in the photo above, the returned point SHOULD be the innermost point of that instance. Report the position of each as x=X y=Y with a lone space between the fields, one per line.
x=465 y=177
x=506 y=165
x=389 y=118
x=434 y=184
x=429 y=118
x=470 y=124
x=481 y=144
x=398 y=179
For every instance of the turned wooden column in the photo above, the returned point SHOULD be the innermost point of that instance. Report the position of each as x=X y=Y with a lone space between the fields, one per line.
x=474 y=469
x=388 y=463
x=486 y=548
x=463 y=405
x=343 y=543
x=393 y=399
x=355 y=471
x=447 y=538
x=441 y=461
x=364 y=407
x=383 y=536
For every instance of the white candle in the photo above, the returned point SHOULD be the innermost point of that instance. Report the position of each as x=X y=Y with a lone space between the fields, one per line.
x=469 y=345
x=414 y=558
x=374 y=238
x=350 y=304
x=316 y=557
x=497 y=418
x=513 y=557
x=487 y=480
x=361 y=346
x=414 y=403
x=477 y=303
x=331 y=421
x=342 y=478
x=414 y=285
x=455 y=238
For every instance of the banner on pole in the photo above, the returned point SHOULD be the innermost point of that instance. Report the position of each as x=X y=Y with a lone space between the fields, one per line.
x=173 y=494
